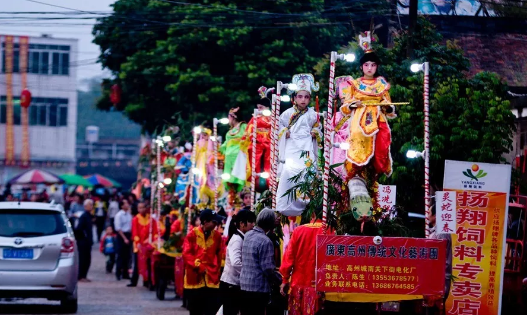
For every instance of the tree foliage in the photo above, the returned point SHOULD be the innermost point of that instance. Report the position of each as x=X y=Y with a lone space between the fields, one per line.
x=470 y=118
x=205 y=57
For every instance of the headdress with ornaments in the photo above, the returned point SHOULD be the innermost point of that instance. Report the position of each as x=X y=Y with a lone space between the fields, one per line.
x=265 y=96
x=365 y=40
x=305 y=82
x=233 y=111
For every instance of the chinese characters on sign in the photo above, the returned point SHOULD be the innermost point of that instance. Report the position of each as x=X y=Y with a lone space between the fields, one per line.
x=478 y=241
x=354 y=264
x=445 y=212
x=386 y=196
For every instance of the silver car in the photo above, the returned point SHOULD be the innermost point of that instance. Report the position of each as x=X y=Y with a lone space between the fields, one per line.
x=38 y=253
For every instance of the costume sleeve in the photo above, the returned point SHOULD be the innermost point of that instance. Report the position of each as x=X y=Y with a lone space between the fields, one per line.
x=135 y=229
x=223 y=146
x=189 y=255
x=175 y=227
x=288 y=260
x=317 y=129
x=389 y=111
x=283 y=123
x=249 y=130
x=155 y=229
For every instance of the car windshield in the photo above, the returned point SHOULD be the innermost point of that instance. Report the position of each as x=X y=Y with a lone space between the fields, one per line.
x=30 y=223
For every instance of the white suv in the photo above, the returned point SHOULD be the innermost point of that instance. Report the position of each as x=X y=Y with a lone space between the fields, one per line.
x=38 y=253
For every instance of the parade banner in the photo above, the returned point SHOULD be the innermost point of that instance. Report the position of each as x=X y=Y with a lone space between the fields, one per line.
x=355 y=264
x=478 y=245
x=387 y=196
x=9 y=126
x=445 y=212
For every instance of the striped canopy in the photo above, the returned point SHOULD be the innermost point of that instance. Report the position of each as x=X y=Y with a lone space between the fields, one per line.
x=36 y=177
x=98 y=179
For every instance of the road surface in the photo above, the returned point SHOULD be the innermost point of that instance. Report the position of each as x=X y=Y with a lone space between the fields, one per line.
x=104 y=295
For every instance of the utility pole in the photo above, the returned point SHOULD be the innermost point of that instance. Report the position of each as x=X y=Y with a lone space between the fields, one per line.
x=412 y=16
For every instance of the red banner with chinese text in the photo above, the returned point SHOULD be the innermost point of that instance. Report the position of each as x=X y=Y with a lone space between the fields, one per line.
x=477 y=253
x=354 y=264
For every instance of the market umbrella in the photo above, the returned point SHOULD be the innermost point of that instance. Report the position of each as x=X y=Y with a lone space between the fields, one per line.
x=36 y=177
x=76 y=180
x=98 y=179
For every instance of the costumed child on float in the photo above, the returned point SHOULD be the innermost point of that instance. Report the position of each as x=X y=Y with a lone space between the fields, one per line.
x=234 y=180
x=369 y=106
x=263 y=136
x=299 y=138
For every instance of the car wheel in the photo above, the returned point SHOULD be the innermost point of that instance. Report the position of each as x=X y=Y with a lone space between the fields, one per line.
x=69 y=306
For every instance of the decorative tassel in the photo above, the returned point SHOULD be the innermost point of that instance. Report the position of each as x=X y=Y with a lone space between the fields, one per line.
x=317 y=108
x=334 y=111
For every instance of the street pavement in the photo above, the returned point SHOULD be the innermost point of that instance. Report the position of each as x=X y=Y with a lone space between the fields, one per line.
x=104 y=295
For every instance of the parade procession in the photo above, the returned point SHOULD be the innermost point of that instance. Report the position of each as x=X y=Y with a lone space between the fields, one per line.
x=264 y=157
x=310 y=180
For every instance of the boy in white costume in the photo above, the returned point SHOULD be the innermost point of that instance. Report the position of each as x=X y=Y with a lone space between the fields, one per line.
x=299 y=130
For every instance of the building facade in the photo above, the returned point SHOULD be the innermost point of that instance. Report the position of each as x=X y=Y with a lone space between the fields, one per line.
x=52 y=115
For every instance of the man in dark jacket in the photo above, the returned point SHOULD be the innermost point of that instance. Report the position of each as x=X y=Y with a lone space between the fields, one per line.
x=84 y=236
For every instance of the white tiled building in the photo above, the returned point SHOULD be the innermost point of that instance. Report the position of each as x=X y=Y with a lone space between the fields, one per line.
x=52 y=81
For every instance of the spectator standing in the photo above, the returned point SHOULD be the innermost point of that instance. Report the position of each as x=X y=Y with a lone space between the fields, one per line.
x=107 y=247
x=84 y=237
x=258 y=268
x=123 y=226
x=76 y=205
x=230 y=279
x=132 y=200
x=202 y=257
x=56 y=195
x=113 y=208
x=100 y=217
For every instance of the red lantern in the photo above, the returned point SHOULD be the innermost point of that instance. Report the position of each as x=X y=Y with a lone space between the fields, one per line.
x=115 y=96
x=25 y=98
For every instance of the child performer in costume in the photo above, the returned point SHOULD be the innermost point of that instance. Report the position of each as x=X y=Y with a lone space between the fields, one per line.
x=341 y=124
x=263 y=133
x=230 y=149
x=370 y=136
x=299 y=128
x=205 y=165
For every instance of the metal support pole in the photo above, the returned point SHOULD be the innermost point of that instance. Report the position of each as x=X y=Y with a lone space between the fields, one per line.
x=217 y=181
x=427 y=146
x=328 y=129
x=253 y=160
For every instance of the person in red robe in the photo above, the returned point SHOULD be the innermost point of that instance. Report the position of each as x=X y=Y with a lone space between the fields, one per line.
x=179 y=265
x=142 y=249
x=263 y=133
x=202 y=251
x=298 y=269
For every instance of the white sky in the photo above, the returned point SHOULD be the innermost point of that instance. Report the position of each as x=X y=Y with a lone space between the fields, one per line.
x=87 y=50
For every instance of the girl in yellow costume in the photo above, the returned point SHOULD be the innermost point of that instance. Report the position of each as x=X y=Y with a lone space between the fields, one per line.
x=370 y=135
